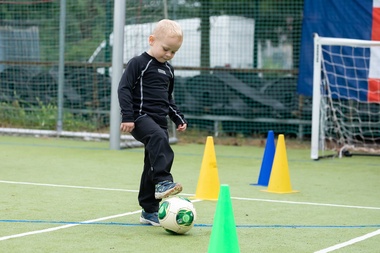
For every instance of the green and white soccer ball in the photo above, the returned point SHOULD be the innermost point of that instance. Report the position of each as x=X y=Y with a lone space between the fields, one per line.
x=177 y=215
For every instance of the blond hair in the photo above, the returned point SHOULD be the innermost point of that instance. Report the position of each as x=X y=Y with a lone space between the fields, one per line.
x=167 y=27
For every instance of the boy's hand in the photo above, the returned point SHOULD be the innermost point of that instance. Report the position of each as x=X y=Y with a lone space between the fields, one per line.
x=181 y=127
x=127 y=127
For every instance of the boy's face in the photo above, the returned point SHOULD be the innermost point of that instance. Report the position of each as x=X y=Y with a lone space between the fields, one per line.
x=164 y=49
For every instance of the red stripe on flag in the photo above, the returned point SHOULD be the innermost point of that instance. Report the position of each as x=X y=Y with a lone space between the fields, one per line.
x=373 y=90
x=376 y=24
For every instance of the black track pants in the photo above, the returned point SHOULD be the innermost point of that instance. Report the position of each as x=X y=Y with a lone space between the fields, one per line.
x=158 y=160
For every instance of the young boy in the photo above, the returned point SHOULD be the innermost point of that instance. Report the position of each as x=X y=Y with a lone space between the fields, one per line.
x=145 y=97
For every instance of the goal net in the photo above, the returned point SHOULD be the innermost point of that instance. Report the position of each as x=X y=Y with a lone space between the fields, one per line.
x=346 y=97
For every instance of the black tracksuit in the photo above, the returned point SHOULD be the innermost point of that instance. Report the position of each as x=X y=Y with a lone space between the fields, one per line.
x=145 y=97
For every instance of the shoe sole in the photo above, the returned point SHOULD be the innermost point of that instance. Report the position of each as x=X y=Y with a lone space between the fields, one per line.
x=173 y=191
x=149 y=222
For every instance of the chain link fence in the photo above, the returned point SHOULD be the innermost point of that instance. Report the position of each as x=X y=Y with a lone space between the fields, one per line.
x=236 y=72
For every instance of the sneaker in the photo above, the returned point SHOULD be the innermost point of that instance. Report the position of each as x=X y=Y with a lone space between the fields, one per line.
x=166 y=188
x=149 y=218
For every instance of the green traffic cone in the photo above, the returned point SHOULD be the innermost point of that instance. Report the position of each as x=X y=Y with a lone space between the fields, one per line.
x=223 y=235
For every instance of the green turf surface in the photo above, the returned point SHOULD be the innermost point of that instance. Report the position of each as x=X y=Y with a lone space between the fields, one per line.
x=50 y=183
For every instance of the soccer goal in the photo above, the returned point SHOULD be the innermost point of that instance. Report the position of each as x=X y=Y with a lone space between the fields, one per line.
x=346 y=98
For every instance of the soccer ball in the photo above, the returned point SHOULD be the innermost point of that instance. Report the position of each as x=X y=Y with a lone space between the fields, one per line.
x=177 y=215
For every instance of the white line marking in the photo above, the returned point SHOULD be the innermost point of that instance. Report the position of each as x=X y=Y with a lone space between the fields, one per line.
x=308 y=203
x=68 y=225
x=249 y=199
x=352 y=241
x=68 y=186
x=65 y=226
x=332 y=248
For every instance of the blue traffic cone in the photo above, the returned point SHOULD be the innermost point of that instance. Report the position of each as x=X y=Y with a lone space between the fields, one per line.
x=266 y=165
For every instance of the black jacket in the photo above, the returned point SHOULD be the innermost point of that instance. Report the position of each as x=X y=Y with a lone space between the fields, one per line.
x=146 y=87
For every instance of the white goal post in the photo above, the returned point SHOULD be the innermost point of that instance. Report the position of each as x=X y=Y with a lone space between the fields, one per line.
x=346 y=97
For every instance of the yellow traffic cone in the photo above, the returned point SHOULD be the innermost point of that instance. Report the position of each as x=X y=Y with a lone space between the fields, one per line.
x=208 y=182
x=279 y=181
